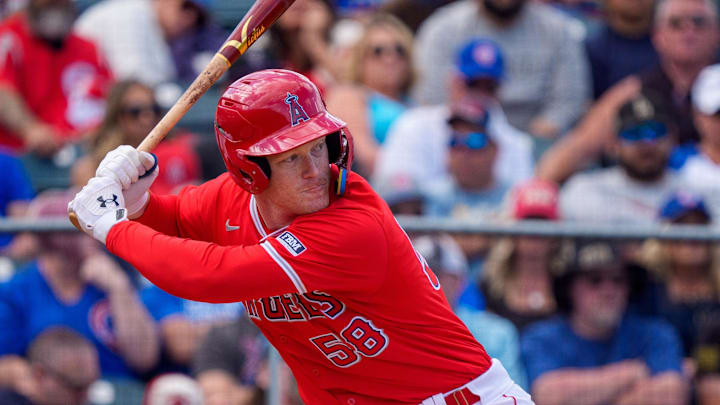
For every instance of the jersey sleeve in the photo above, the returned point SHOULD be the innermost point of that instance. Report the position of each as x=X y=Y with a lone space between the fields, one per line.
x=183 y=215
x=198 y=270
x=332 y=251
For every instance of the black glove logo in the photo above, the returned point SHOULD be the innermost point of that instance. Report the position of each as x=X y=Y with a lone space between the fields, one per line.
x=104 y=201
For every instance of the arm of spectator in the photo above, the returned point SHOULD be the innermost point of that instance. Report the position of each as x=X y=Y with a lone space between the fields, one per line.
x=182 y=337
x=39 y=137
x=590 y=137
x=569 y=90
x=595 y=386
x=135 y=331
x=669 y=388
x=16 y=374
x=349 y=102
x=708 y=389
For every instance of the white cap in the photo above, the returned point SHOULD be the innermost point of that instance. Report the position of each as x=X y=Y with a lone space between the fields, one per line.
x=706 y=90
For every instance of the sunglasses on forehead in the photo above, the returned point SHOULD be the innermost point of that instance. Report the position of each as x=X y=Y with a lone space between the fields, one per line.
x=646 y=131
x=472 y=141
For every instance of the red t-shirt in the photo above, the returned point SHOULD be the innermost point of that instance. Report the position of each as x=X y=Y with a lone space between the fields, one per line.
x=341 y=293
x=64 y=88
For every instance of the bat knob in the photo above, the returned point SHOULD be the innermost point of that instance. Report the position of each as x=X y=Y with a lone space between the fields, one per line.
x=74 y=220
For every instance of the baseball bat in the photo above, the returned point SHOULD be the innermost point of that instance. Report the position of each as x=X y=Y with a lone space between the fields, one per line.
x=256 y=21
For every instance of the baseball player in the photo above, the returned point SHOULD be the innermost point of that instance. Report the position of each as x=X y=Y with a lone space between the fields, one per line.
x=320 y=263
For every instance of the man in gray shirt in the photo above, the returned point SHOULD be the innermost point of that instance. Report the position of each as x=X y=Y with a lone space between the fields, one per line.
x=547 y=83
x=632 y=192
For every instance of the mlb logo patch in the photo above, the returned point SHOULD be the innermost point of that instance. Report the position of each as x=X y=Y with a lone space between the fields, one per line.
x=291 y=243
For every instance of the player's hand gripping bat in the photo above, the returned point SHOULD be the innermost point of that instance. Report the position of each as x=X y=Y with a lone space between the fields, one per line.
x=257 y=20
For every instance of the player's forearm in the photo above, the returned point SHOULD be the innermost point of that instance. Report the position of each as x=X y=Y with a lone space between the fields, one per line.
x=198 y=270
x=577 y=387
x=135 y=331
x=14 y=114
x=664 y=389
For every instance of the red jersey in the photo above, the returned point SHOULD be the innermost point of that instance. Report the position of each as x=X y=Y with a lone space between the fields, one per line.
x=64 y=88
x=341 y=293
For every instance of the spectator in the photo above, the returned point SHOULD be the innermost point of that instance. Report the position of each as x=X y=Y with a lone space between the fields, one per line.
x=299 y=41
x=183 y=324
x=621 y=46
x=516 y=280
x=192 y=50
x=72 y=284
x=496 y=334
x=61 y=366
x=689 y=293
x=131 y=113
x=701 y=165
x=228 y=361
x=402 y=195
x=600 y=354
x=687 y=38
x=52 y=82
x=547 y=80
x=135 y=36
x=633 y=192
x=15 y=194
x=380 y=77
x=471 y=188
x=417 y=143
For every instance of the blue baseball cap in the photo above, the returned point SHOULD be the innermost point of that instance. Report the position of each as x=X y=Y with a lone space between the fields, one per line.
x=681 y=203
x=481 y=58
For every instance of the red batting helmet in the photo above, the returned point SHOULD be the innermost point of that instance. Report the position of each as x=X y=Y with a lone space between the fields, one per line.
x=270 y=112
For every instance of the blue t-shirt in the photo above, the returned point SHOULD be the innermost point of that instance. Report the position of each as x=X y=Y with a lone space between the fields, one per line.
x=383 y=111
x=14 y=186
x=613 y=57
x=162 y=305
x=28 y=307
x=552 y=344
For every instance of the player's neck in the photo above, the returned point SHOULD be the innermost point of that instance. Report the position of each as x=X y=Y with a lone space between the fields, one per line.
x=272 y=216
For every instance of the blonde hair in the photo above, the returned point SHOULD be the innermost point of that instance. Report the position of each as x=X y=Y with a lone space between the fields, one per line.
x=360 y=49
x=655 y=257
x=499 y=264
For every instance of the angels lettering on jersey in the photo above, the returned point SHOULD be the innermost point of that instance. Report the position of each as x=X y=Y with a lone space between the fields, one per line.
x=359 y=338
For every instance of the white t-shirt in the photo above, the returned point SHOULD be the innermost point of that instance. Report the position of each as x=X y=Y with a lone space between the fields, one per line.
x=128 y=34
x=702 y=175
x=610 y=196
x=417 y=146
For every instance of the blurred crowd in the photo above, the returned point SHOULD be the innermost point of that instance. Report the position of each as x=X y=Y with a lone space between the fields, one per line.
x=593 y=111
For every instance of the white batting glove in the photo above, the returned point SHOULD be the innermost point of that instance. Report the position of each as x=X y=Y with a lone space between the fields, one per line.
x=129 y=167
x=99 y=206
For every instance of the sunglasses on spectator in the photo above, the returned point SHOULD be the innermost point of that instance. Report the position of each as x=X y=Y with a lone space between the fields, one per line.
x=472 y=141
x=596 y=280
x=135 y=111
x=378 y=51
x=696 y=21
x=647 y=131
